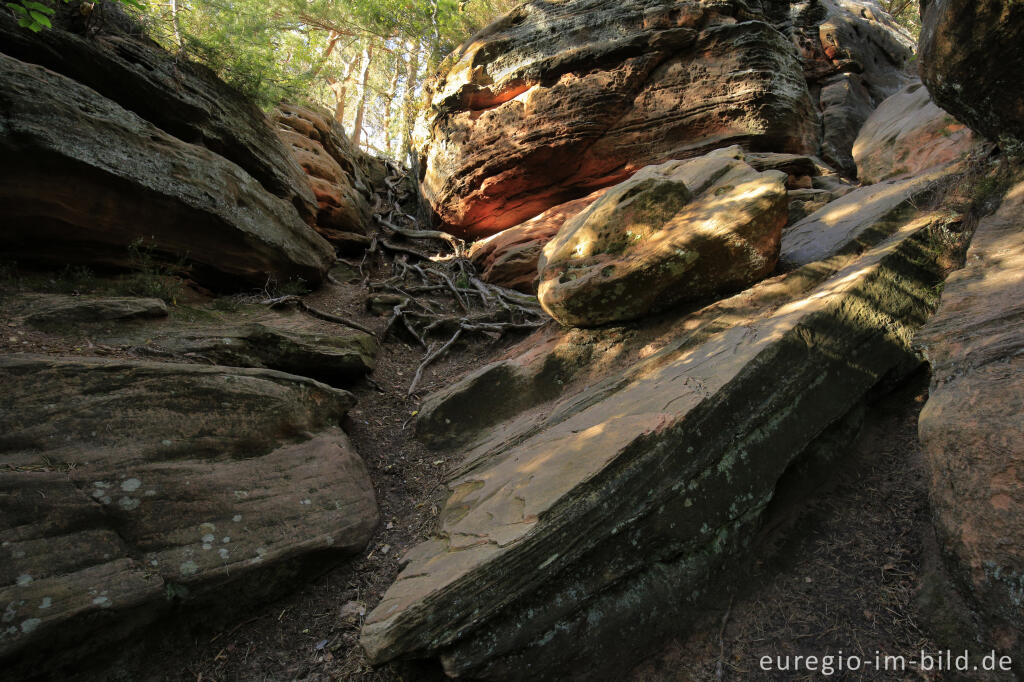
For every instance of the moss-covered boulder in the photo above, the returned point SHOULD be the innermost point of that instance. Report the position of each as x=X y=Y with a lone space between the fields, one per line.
x=679 y=231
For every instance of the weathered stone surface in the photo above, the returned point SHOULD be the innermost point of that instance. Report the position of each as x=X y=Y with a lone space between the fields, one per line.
x=333 y=175
x=53 y=309
x=845 y=106
x=850 y=220
x=679 y=231
x=81 y=179
x=971 y=427
x=510 y=258
x=182 y=98
x=558 y=99
x=338 y=359
x=581 y=528
x=908 y=135
x=972 y=55
x=129 y=487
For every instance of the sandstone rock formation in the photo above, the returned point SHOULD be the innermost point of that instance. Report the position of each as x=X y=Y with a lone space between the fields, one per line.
x=48 y=310
x=594 y=514
x=556 y=100
x=971 y=427
x=509 y=258
x=971 y=55
x=184 y=99
x=320 y=146
x=679 y=231
x=908 y=135
x=72 y=191
x=132 y=486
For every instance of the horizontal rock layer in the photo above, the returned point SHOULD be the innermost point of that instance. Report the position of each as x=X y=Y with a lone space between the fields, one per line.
x=132 y=486
x=82 y=179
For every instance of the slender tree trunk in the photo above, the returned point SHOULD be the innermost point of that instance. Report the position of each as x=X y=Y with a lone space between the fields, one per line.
x=409 y=100
x=176 y=23
x=361 y=95
x=392 y=92
x=340 y=88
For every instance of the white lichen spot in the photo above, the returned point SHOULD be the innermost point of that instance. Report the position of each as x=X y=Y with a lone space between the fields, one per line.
x=236 y=518
x=100 y=484
x=150 y=493
x=18 y=554
x=98 y=493
x=223 y=553
x=29 y=625
x=330 y=540
x=24 y=580
x=189 y=568
x=131 y=485
x=154 y=562
x=166 y=442
x=305 y=501
x=102 y=601
x=105 y=500
x=208 y=538
x=207 y=546
x=241 y=494
x=226 y=539
x=129 y=503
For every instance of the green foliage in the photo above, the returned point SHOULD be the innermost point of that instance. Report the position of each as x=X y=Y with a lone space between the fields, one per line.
x=906 y=13
x=36 y=16
x=152 y=278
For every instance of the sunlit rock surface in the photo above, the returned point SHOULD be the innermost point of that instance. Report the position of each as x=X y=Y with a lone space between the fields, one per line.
x=679 y=231
x=972 y=428
x=602 y=503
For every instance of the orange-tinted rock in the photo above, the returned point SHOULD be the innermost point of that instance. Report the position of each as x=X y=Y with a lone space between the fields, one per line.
x=907 y=135
x=972 y=58
x=509 y=258
x=972 y=427
x=558 y=99
x=320 y=147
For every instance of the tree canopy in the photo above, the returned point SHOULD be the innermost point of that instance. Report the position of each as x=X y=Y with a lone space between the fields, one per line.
x=365 y=60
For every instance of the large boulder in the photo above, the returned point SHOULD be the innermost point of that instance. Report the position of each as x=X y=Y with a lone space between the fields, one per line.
x=558 y=99
x=132 y=487
x=972 y=428
x=679 y=231
x=972 y=55
x=320 y=146
x=82 y=179
x=186 y=100
x=908 y=135
x=593 y=521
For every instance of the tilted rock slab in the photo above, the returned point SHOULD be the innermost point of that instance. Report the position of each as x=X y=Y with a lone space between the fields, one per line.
x=908 y=135
x=49 y=310
x=578 y=533
x=184 y=99
x=128 y=487
x=972 y=427
x=972 y=56
x=679 y=231
x=82 y=178
x=556 y=100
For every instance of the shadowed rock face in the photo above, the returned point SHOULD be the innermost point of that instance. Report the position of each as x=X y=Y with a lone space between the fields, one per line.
x=972 y=56
x=131 y=486
x=183 y=99
x=603 y=503
x=971 y=427
x=558 y=99
x=82 y=178
x=679 y=231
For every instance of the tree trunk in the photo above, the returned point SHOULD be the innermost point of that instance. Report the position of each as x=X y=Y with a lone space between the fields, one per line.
x=340 y=88
x=409 y=100
x=392 y=88
x=176 y=23
x=361 y=95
